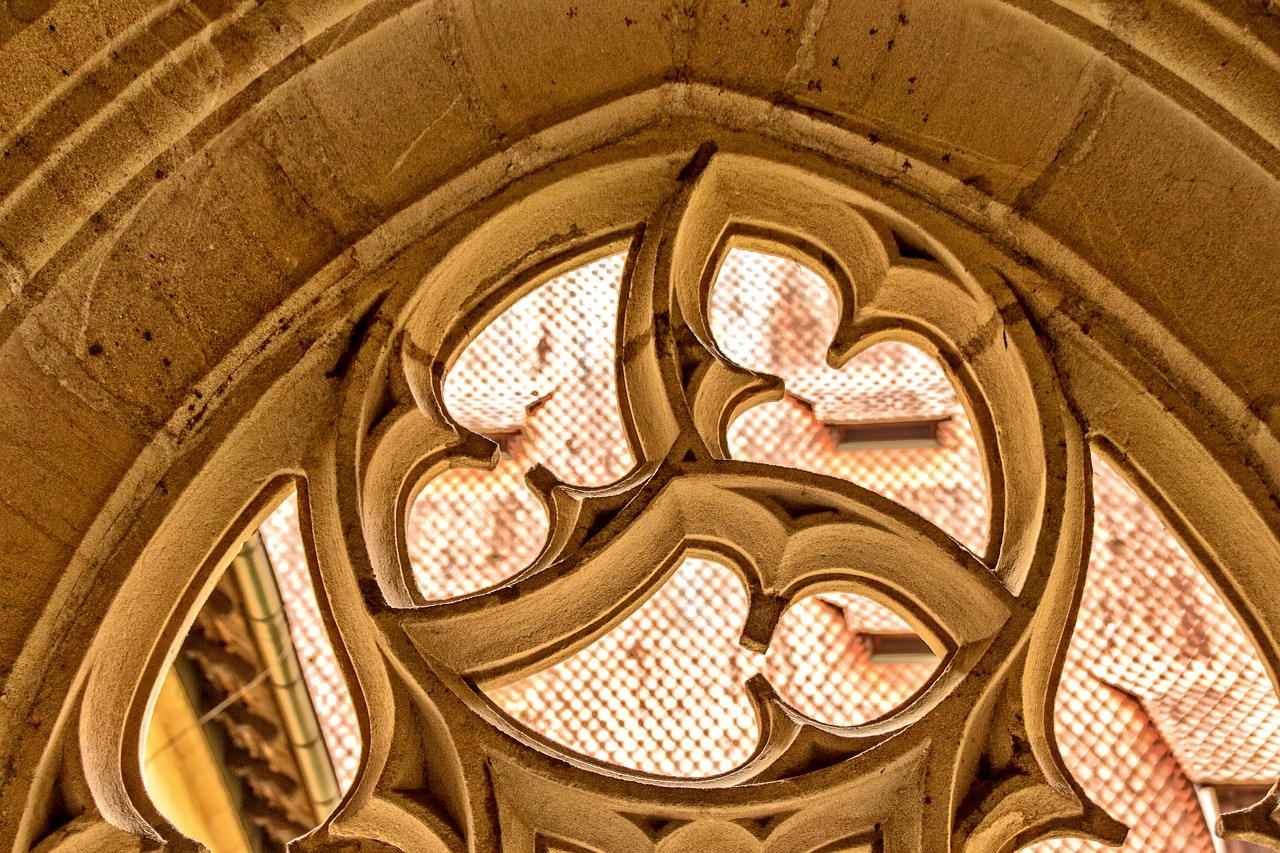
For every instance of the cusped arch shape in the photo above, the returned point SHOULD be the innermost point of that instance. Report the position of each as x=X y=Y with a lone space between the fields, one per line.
x=184 y=313
x=888 y=411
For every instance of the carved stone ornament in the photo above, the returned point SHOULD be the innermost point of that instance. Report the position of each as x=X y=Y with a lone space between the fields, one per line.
x=969 y=763
x=313 y=268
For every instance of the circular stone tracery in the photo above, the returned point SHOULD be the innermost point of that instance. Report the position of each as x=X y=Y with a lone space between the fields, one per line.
x=1185 y=406
x=1002 y=620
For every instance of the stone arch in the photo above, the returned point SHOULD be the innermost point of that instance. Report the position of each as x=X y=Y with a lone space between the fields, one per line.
x=202 y=208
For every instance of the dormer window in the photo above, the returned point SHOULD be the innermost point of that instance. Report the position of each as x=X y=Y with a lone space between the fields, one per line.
x=886 y=435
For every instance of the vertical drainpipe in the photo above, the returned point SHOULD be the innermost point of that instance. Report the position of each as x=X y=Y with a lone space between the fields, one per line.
x=270 y=626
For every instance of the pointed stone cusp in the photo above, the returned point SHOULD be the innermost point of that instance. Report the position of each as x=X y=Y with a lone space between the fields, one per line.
x=763 y=612
x=1256 y=824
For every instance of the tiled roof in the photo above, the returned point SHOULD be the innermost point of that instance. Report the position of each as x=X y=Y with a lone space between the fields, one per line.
x=784 y=327
x=1152 y=625
x=1125 y=765
x=1160 y=684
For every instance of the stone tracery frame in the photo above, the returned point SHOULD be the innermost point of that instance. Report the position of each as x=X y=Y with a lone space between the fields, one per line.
x=400 y=435
x=787 y=534
x=1123 y=382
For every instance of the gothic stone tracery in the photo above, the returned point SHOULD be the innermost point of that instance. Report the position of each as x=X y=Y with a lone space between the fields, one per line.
x=267 y=277
x=972 y=750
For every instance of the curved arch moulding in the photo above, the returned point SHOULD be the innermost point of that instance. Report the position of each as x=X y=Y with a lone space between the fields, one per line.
x=296 y=328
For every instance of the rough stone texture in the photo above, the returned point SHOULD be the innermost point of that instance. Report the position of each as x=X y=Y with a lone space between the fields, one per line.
x=59 y=457
x=998 y=107
x=1133 y=199
x=551 y=59
x=198 y=202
